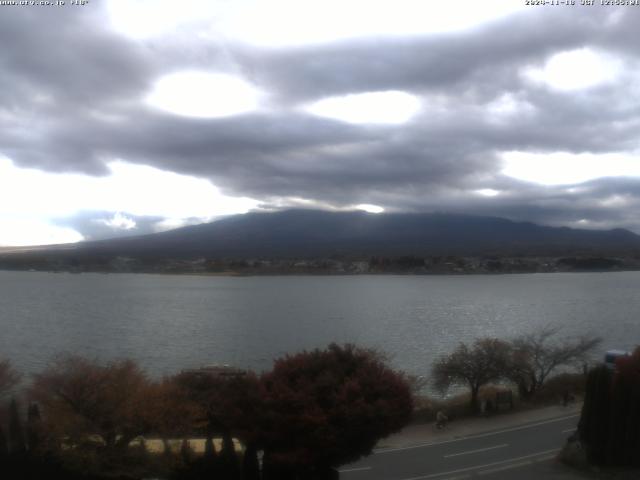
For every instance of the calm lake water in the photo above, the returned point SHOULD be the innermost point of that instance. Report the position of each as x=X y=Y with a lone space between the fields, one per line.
x=172 y=322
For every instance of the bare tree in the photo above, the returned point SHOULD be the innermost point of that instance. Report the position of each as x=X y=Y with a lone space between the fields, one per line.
x=484 y=361
x=535 y=356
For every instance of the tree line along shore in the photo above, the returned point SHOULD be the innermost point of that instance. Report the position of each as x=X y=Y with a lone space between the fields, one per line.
x=311 y=413
x=408 y=264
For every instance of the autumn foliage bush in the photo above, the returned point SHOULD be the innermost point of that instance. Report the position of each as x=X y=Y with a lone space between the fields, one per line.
x=325 y=408
x=313 y=412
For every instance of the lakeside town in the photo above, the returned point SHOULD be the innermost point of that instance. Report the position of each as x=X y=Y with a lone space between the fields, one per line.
x=411 y=265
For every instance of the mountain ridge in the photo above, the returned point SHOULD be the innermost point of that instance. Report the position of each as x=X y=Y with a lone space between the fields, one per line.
x=315 y=233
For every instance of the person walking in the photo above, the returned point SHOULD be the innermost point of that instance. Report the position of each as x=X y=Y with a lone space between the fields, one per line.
x=441 y=420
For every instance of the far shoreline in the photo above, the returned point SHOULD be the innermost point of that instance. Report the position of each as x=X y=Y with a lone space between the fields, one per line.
x=232 y=274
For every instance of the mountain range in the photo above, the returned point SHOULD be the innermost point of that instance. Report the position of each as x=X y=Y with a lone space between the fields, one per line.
x=324 y=234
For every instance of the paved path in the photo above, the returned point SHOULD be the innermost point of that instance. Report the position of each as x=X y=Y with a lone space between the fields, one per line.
x=521 y=445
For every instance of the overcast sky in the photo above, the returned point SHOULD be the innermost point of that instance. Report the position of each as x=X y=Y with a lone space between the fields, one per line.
x=124 y=117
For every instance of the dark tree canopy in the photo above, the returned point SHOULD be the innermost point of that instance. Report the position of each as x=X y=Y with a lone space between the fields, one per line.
x=224 y=404
x=609 y=427
x=313 y=412
x=329 y=407
x=17 y=442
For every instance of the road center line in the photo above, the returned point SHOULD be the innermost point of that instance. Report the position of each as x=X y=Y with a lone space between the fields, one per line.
x=358 y=469
x=511 y=466
x=468 y=452
x=479 y=435
x=486 y=465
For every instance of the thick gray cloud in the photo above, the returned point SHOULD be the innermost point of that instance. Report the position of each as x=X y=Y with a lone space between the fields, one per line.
x=71 y=96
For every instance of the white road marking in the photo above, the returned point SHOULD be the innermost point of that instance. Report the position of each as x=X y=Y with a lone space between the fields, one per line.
x=526 y=463
x=544 y=459
x=568 y=430
x=468 y=452
x=358 y=469
x=505 y=467
x=480 y=435
x=479 y=467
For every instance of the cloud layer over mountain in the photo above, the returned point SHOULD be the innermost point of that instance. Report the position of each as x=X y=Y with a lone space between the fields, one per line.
x=491 y=102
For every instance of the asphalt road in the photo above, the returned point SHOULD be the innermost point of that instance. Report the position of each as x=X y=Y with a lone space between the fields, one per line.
x=520 y=452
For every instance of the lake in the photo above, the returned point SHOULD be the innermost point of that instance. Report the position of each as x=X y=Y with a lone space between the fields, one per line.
x=168 y=323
